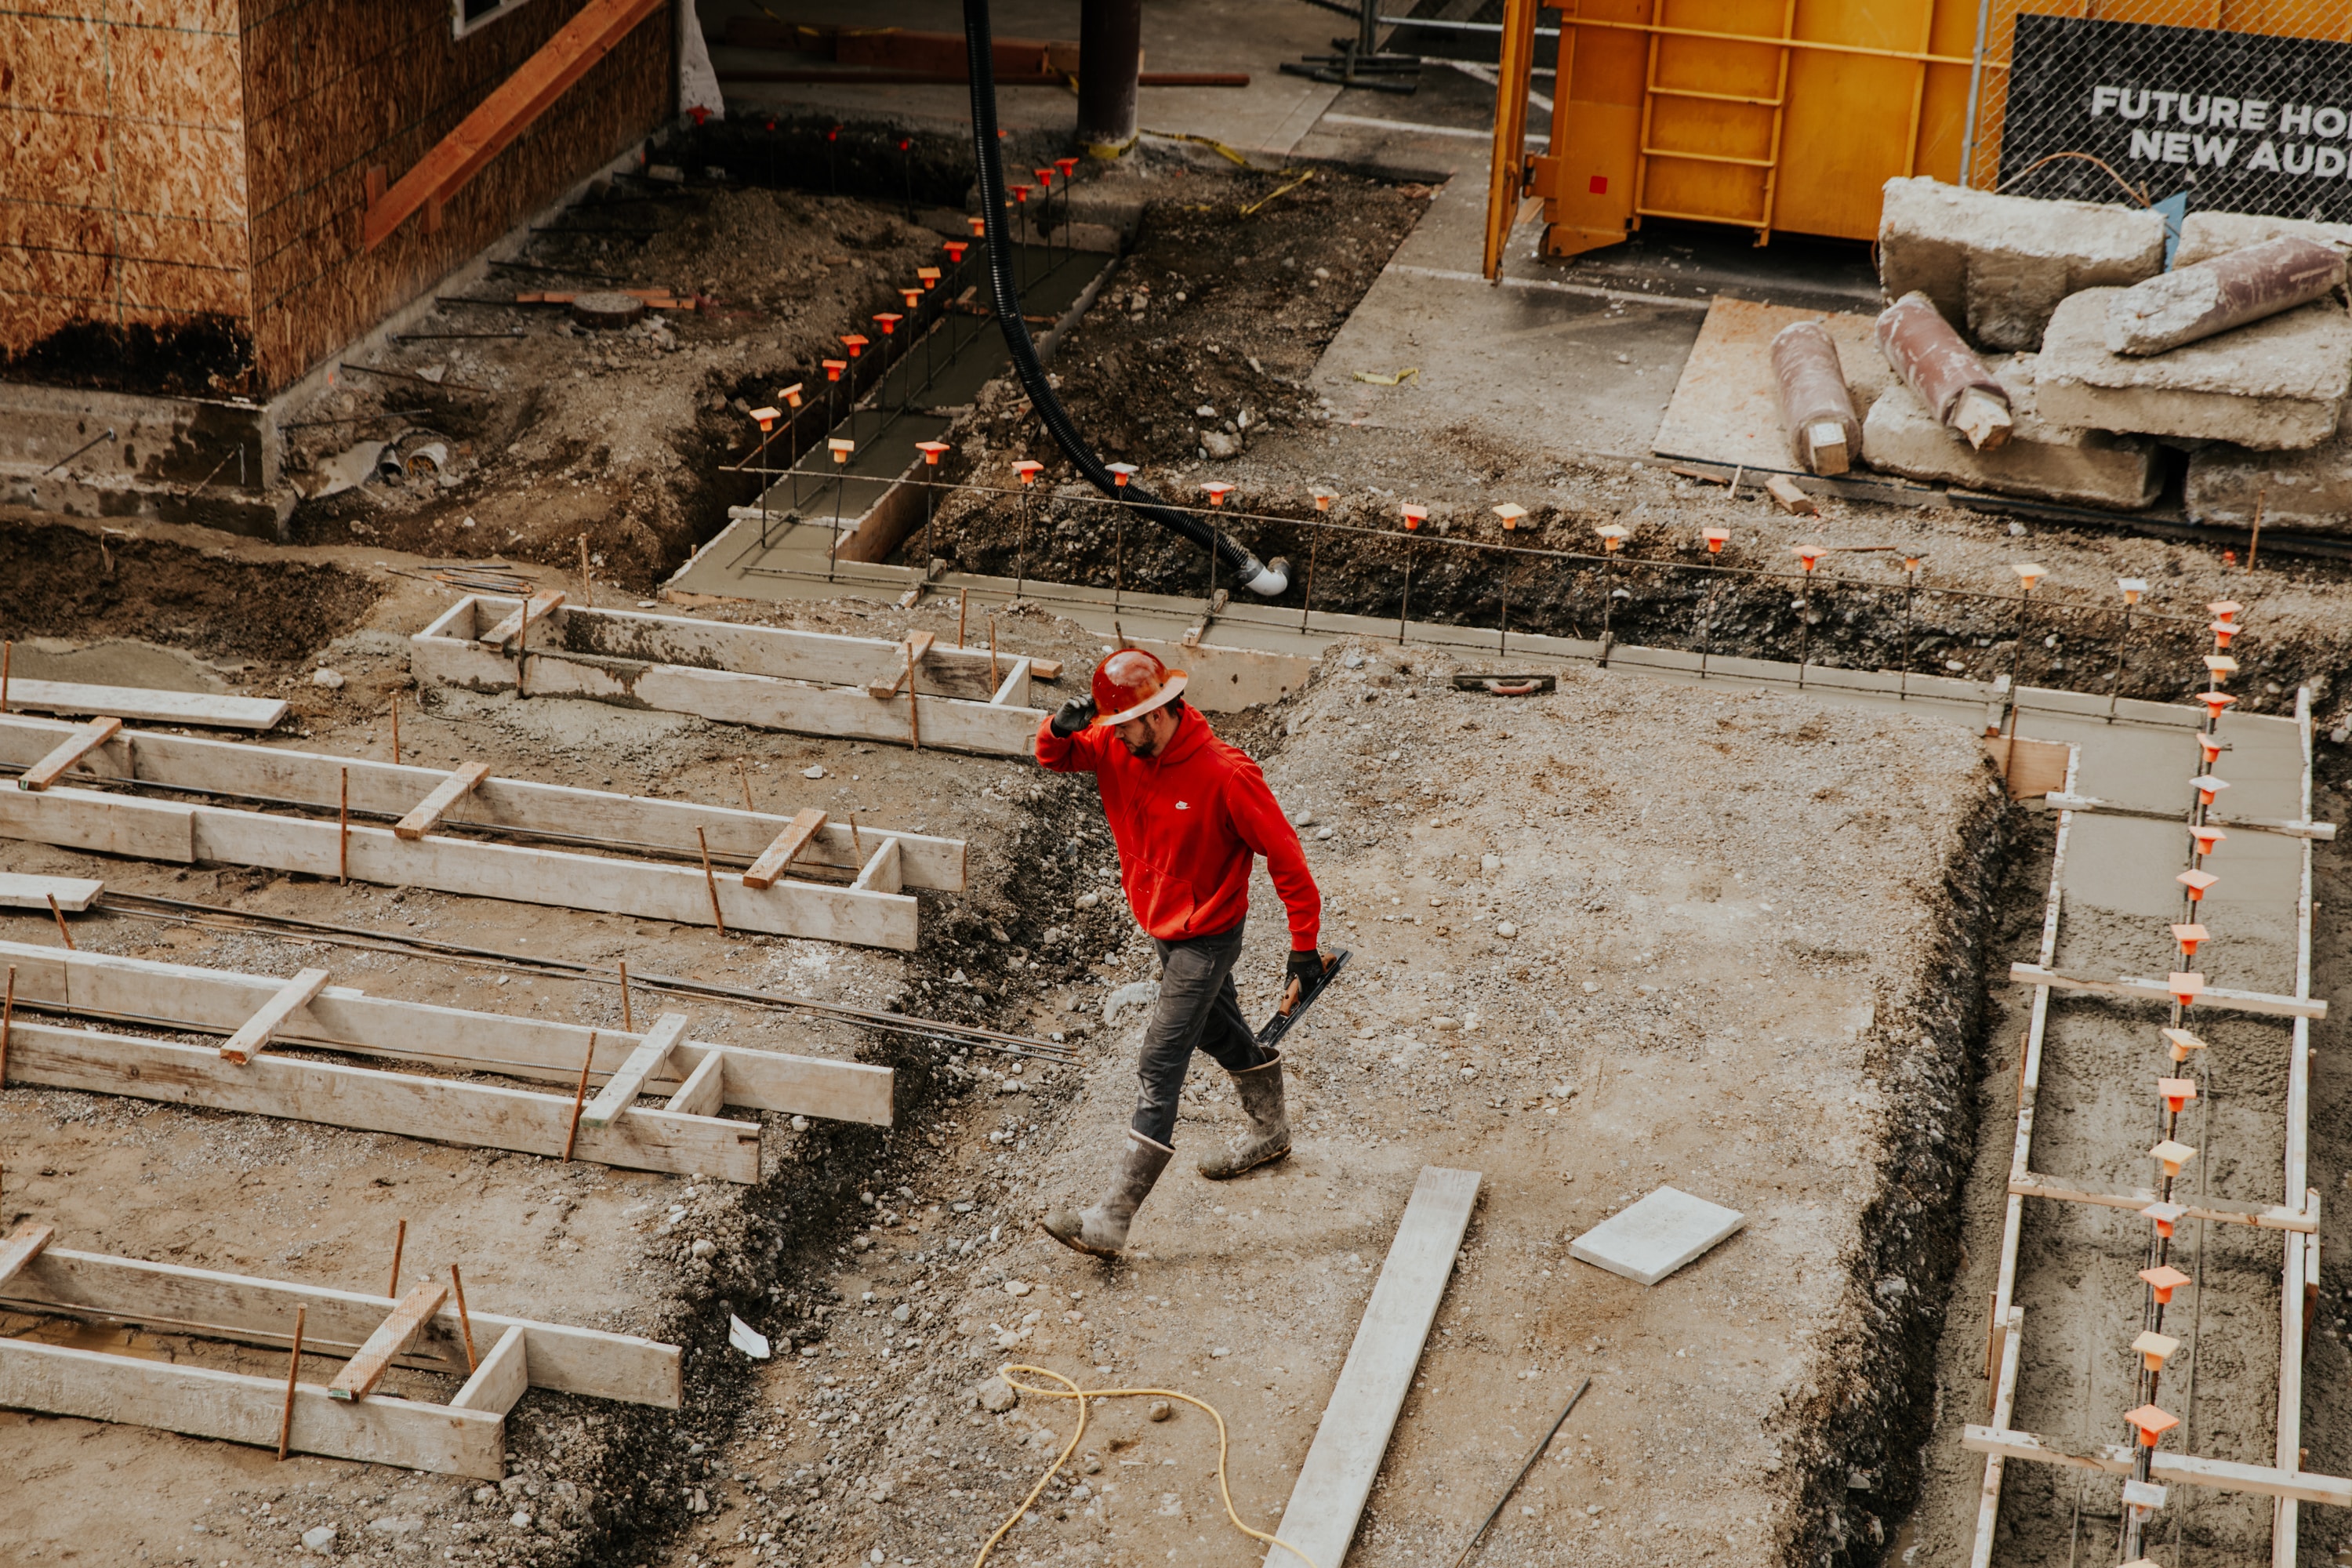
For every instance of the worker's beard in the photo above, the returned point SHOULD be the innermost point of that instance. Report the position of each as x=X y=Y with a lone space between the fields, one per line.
x=1146 y=747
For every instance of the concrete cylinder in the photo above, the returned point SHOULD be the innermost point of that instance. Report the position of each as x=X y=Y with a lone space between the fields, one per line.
x=1815 y=404
x=1110 y=58
x=1929 y=355
x=2202 y=301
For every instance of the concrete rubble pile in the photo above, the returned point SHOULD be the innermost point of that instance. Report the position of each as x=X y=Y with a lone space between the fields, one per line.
x=2239 y=355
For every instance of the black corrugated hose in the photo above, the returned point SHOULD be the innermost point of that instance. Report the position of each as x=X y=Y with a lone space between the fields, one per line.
x=1265 y=580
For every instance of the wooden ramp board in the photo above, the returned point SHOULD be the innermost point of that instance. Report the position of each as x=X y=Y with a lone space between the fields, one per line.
x=21 y=891
x=181 y=996
x=153 y=706
x=370 y=1100
x=2029 y=768
x=1353 y=1437
x=383 y=789
x=1726 y=407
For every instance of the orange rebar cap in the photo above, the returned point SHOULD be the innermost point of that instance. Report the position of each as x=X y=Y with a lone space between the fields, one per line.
x=2164 y=1279
x=2151 y=1423
x=1131 y=683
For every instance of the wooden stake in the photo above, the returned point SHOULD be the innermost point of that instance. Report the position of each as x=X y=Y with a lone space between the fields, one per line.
x=399 y=1245
x=395 y=728
x=580 y=1096
x=293 y=1367
x=710 y=881
x=343 y=831
x=60 y=917
x=2255 y=543
x=587 y=584
x=7 y=656
x=627 y=1023
x=7 y=1018
x=855 y=842
x=994 y=681
x=743 y=777
x=963 y=609
x=914 y=716
x=465 y=1323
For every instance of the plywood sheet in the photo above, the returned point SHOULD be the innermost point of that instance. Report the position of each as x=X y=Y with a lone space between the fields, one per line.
x=1726 y=408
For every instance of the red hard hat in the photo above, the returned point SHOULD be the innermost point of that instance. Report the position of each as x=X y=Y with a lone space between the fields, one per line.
x=1131 y=683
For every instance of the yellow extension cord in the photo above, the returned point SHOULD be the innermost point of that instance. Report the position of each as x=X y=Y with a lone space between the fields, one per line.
x=1081 y=1396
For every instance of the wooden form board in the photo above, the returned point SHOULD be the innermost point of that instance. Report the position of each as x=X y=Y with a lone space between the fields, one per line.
x=147 y=705
x=373 y=1099
x=316 y=779
x=2132 y=989
x=465 y=1437
x=2058 y=800
x=1726 y=408
x=250 y=1309
x=20 y=891
x=812 y=682
x=2029 y=768
x=1353 y=1435
x=2165 y=1469
x=184 y=835
x=342 y=1018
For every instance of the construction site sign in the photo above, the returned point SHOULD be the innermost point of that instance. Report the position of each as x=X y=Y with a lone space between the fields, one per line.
x=2238 y=122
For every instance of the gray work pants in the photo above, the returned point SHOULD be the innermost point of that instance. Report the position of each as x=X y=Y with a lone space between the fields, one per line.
x=1197 y=1010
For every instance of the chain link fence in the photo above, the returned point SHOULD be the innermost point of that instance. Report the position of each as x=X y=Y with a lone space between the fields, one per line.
x=2192 y=105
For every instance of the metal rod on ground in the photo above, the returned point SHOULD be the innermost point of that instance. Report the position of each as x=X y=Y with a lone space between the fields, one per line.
x=1404 y=601
x=8 y=657
x=343 y=830
x=588 y=583
x=399 y=1245
x=293 y=1367
x=1910 y=589
x=1521 y=1473
x=993 y=677
x=1307 y=600
x=2016 y=655
x=1502 y=638
x=1608 y=604
x=1804 y=627
x=395 y=728
x=464 y=1319
x=2123 y=648
x=580 y=1096
x=7 y=1022
x=963 y=610
x=857 y=843
x=744 y=778
x=914 y=708
x=2255 y=543
x=711 y=880
x=59 y=915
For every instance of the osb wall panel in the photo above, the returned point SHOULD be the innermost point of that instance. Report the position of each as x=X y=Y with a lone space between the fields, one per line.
x=335 y=86
x=122 y=181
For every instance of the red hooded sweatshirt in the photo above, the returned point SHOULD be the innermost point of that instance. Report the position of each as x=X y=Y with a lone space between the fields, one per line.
x=1187 y=822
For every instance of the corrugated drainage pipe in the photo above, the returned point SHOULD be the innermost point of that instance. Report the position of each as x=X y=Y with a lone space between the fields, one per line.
x=1267 y=580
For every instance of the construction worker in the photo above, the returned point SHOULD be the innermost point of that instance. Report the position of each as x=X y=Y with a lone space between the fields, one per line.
x=1189 y=813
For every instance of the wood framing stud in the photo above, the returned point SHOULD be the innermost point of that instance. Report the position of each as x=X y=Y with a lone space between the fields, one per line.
x=22 y=1245
x=621 y=1090
x=500 y=1380
x=911 y=654
x=777 y=858
x=68 y=752
x=250 y=1040
x=364 y=1371
x=538 y=607
x=447 y=794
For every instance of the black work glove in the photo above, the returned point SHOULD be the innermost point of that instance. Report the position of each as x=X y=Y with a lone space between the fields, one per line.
x=1073 y=716
x=1307 y=968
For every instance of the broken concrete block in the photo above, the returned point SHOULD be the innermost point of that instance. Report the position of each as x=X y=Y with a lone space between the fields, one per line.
x=1999 y=265
x=2277 y=385
x=2309 y=491
x=2045 y=462
x=2191 y=303
x=2204 y=236
x=1951 y=381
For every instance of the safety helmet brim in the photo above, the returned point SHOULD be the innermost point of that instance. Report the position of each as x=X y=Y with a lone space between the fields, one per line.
x=1172 y=688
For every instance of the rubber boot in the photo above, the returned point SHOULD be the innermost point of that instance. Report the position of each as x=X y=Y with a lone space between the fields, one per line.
x=1102 y=1229
x=1267 y=1138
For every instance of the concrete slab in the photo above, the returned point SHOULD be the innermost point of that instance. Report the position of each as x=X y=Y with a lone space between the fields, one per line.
x=2048 y=461
x=1998 y=266
x=2278 y=384
x=1656 y=1235
x=1727 y=406
x=2204 y=236
x=2307 y=491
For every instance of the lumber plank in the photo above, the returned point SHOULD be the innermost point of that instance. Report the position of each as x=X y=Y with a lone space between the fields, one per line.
x=380 y=788
x=777 y=858
x=237 y=1407
x=22 y=891
x=881 y=873
x=501 y=1378
x=1014 y=692
x=147 y=706
x=911 y=658
x=475 y=1115
x=101 y=823
x=2132 y=988
x=404 y=1322
x=88 y=738
x=254 y=1035
x=538 y=607
x=846 y=712
x=2292 y=827
x=621 y=1090
x=704 y=1088
x=2261 y=1216
x=250 y=1309
x=1353 y=1435
x=185 y=996
x=447 y=794
x=23 y=1245
x=2222 y=1475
